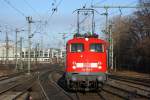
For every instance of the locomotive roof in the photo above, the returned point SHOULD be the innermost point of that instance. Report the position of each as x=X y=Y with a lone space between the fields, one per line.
x=81 y=39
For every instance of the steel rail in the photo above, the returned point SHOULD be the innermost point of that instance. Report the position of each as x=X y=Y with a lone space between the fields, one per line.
x=144 y=82
x=129 y=84
x=13 y=86
x=41 y=86
x=9 y=76
x=76 y=92
x=116 y=94
x=45 y=95
x=3 y=91
x=141 y=93
x=127 y=92
x=23 y=92
x=57 y=86
x=101 y=96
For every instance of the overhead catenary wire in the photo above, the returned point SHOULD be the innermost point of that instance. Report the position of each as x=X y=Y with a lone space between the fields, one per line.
x=16 y=9
x=28 y=4
x=47 y=19
x=120 y=9
x=35 y=11
x=59 y=3
x=40 y=21
x=38 y=26
x=54 y=10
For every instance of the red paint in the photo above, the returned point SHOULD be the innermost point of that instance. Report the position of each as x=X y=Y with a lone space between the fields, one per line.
x=86 y=56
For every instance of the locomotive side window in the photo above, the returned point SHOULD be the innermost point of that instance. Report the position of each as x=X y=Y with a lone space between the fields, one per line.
x=77 y=47
x=96 y=47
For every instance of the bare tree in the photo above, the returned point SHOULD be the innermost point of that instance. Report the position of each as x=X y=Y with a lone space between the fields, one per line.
x=131 y=35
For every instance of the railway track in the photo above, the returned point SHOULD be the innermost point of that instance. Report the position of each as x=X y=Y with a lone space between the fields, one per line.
x=120 y=90
x=52 y=87
x=142 y=90
x=52 y=90
x=44 y=86
x=16 y=88
x=117 y=89
x=125 y=88
x=74 y=95
x=18 y=85
x=96 y=95
x=123 y=93
x=9 y=76
x=135 y=80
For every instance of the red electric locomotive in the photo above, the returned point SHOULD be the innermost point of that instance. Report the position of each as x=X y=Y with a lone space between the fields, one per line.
x=86 y=62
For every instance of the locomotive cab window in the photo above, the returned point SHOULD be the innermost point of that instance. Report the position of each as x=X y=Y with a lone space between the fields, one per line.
x=77 y=47
x=96 y=47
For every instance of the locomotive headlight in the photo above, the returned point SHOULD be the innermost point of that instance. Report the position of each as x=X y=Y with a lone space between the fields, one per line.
x=74 y=67
x=86 y=39
x=99 y=67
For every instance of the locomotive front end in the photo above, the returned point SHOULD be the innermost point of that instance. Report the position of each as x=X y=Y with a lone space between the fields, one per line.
x=86 y=63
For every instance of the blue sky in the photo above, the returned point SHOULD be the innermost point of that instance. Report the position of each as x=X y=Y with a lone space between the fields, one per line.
x=62 y=21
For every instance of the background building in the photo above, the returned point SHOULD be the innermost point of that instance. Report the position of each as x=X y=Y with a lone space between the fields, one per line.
x=49 y=55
